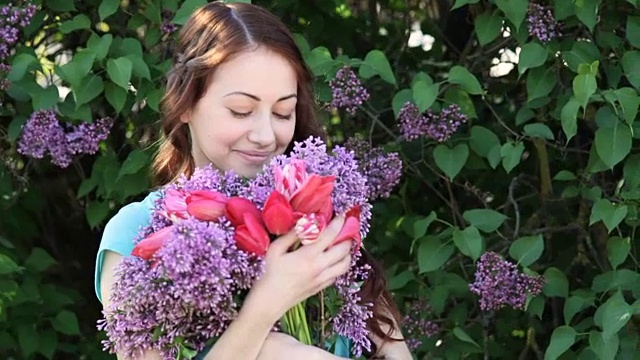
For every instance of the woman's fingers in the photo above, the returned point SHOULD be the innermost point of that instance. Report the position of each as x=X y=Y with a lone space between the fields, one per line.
x=329 y=234
x=335 y=254
x=282 y=244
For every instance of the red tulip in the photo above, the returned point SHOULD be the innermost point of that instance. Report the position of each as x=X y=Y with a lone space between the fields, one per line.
x=313 y=196
x=206 y=205
x=309 y=227
x=251 y=236
x=290 y=177
x=277 y=214
x=175 y=205
x=351 y=228
x=237 y=207
x=148 y=246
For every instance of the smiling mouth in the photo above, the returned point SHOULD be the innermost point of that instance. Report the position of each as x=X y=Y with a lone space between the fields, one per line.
x=256 y=157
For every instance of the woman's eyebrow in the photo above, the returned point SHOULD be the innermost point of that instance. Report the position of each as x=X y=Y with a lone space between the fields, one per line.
x=287 y=97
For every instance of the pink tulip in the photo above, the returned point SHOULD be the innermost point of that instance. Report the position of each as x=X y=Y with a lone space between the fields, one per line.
x=314 y=194
x=175 y=205
x=251 y=236
x=309 y=227
x=148 y=246
x=206 y=205
x=237 y=207
x=277 y=214
x=290 y=177
x=350 y=229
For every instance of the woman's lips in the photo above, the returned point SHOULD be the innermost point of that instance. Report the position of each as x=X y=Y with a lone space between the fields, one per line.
x=256 y=157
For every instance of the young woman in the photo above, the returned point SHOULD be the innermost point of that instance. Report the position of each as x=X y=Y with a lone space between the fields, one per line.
x=238 y=95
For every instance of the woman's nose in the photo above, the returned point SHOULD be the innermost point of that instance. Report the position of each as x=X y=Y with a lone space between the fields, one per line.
x=262 y=132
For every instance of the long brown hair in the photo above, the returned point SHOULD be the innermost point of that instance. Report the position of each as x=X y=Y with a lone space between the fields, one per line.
x=212 y=35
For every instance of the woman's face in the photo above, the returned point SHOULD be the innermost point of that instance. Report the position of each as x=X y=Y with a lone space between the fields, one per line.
x=247 y=114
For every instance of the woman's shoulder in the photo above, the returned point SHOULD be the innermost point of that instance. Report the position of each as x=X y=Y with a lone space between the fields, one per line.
x=129 y=220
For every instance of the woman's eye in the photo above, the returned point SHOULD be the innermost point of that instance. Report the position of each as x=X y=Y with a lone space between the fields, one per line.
x=283 y=117
x=240 y=114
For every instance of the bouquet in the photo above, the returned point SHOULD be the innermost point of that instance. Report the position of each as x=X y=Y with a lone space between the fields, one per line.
x=204 y=248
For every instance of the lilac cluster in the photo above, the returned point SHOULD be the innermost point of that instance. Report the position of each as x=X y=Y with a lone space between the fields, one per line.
x=347 y=91
x=167 y=26
x=417 y=325
x=44 y=134
x=541 y=23
x=438 y=127
x=382 y=170
x=12 y=20
x=351 y=320
x=198 y=272
x=4 y=82
x=499 y=283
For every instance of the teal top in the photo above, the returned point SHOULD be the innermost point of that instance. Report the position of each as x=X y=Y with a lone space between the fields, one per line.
x=118 y=237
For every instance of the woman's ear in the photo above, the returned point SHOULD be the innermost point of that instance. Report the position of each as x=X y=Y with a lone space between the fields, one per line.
x=184 y=118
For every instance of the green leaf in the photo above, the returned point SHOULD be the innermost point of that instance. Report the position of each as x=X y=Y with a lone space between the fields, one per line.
x=483 y=140
x=613 y=144
x=119 y=71
x=629 y=101
x=66 y=322
x=461 y=3
x=451 y=161
x=618 y=249
x=469 y=242
x=89 y=89
x=460 y=334
x=116 y=96
x=457 y=95
x=96 y=212
x=136 y=160
x=28 y=339
x=432 y=254
x=563 y=9
x=605 y=349
x=7 y=265
x=39 y=260
x=587 y=12
x=488 y=26
x=610 y=214
x=511 y=155
x=188 y=7
x=584 y=85
x=531 y=56
x=48 y=343
x=461 y=76
x=556 y=283
x=582 y=52
x=20 y=66
x=573 y=305
x=424 y=94
x=77 y=23
x=46 y=99
x=561 y=340
x=100 y=45
x=514 y=10
x=523 y=115
x=401 y=280
x=631 y=67
x=86 y=186
x=631 y=170
x=526 y=250
x=108 y=8
x=78 y=68
x=565 y=175
x=633 y=30
x=421 y=224
x=320 y=61
x=615 y=314
x=540 y=82
x=140 y=67
x=539 y=130
x=486 y=220
x=399 y=99
x=376 y=63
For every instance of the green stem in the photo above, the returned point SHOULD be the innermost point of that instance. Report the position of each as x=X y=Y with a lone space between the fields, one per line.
x=295 y=321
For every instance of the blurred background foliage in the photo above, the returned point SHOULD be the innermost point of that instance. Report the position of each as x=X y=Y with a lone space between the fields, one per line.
x=545 y=171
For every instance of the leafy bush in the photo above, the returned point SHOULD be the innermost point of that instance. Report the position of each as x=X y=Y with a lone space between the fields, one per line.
x=515 y=123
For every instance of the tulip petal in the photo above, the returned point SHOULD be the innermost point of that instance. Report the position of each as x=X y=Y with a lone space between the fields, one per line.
x=245 y=241
x=350 y=229
x=206 y=210
x=148 y=246
x=237 y=207
x=314 y=194
x=277 y=214
x=251 y=236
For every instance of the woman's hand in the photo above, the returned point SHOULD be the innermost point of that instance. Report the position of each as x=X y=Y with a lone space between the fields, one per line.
x=291 y=277
x=279 y=346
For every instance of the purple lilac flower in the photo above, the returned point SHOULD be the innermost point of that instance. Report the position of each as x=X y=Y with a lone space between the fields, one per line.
x=383 y=170
x=347 y=91
x=12 y=20
x=499 y=283
x=44 y=134
x=541 y=23
x=438 y=127
x=167 y=26
x=417 y=324
x=4 y=71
